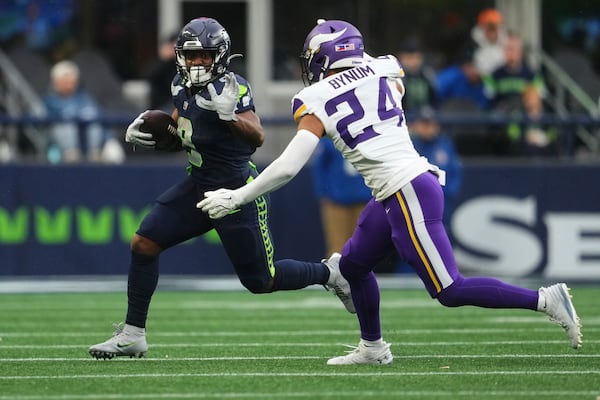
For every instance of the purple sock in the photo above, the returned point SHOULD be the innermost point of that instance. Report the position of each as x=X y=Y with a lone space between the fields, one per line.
x=365 y=295
x=489 y=293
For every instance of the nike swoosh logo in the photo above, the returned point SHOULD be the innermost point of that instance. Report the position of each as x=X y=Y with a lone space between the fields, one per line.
x=124 y=346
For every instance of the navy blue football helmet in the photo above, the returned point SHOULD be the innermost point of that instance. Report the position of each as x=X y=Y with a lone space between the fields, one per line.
x=203 y=34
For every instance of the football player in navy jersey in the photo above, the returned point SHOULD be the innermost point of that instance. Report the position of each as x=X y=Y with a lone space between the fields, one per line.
x=356 y=101
x=220 y=131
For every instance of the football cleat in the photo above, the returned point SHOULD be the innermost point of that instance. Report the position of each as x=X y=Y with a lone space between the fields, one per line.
x=124 y=342
x=365 y=353
x=337 y=283
x=560 y=309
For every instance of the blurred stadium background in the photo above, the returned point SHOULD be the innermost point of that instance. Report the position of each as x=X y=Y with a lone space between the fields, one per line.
x=517 y=216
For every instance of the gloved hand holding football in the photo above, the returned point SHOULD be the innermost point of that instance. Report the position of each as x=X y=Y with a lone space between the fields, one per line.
x=154 y=129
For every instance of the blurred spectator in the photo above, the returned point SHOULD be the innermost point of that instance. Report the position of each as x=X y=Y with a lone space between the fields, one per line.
x=515 y=89
x=461 y=80
x=533 y=138
x=342 y=194
x=70 y=140
x=507 y=83
x=41 y=23
x=161 y=73
x=439 y=149
x=419 y=78
x=489 y=35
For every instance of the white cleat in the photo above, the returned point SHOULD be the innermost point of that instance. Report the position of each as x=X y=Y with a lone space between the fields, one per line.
x=379 y=354
x=337 y=283
x=125 y=342
x=560 y=309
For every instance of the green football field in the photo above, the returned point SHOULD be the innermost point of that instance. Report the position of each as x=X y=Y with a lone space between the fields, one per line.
x=236 y=345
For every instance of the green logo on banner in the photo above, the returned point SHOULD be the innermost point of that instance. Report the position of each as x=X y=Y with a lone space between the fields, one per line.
x=65 y=224
x=13 y=228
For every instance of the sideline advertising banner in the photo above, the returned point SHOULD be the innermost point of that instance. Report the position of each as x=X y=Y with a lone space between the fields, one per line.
x=79 y=220
x=520 y=221
x=511 y=220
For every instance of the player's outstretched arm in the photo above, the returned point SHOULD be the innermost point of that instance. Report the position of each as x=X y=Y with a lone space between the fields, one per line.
x=221 y=202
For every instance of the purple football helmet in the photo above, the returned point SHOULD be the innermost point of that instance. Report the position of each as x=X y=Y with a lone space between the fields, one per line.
x=330 y=45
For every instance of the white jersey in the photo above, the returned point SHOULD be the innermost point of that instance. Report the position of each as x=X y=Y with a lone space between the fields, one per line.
x=361 y=110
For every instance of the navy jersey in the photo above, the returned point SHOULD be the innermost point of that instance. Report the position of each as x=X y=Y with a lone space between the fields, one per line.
x=217 y=157
x=506 y=84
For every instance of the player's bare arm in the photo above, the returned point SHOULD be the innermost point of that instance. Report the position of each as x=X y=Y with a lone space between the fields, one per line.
x=248 y=128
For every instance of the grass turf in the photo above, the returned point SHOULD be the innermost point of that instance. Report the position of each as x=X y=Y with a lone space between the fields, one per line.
x=235 y=345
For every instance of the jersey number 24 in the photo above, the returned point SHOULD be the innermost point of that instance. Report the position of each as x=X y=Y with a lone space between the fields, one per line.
x=358 y=113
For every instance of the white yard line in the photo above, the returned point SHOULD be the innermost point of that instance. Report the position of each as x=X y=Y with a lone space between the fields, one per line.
x=424 y=343
x=408 y=357
x=286 y=333
x=320 y=374
x=314 y=394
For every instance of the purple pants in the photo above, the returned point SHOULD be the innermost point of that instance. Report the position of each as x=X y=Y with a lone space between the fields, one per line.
x=410 y=221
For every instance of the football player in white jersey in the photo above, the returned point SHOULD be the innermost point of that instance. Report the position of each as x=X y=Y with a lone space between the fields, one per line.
x=356 y=101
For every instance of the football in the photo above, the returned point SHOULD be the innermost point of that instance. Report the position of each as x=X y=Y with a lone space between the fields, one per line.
x=163 y=129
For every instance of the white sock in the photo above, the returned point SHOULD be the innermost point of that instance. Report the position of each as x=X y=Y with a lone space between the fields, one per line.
x=541 y=306
x=134 y=330
x=372 y=343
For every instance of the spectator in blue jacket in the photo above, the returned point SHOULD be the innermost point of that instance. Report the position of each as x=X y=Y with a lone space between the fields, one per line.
x=438 y=148
x=342 y=194
x=68 y=102
x=461 y=80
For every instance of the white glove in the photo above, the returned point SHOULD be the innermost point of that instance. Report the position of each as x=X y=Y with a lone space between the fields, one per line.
x=219 y=203
x=226 y=102
x=135 y=136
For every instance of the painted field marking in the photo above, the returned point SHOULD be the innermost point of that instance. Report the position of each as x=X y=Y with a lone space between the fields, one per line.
x=318 y=393
x=296 y=374
x=267 y=358
x=309 y=333
x=305 y=344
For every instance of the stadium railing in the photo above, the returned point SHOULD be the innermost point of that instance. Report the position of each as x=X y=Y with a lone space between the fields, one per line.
x=465 y=125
